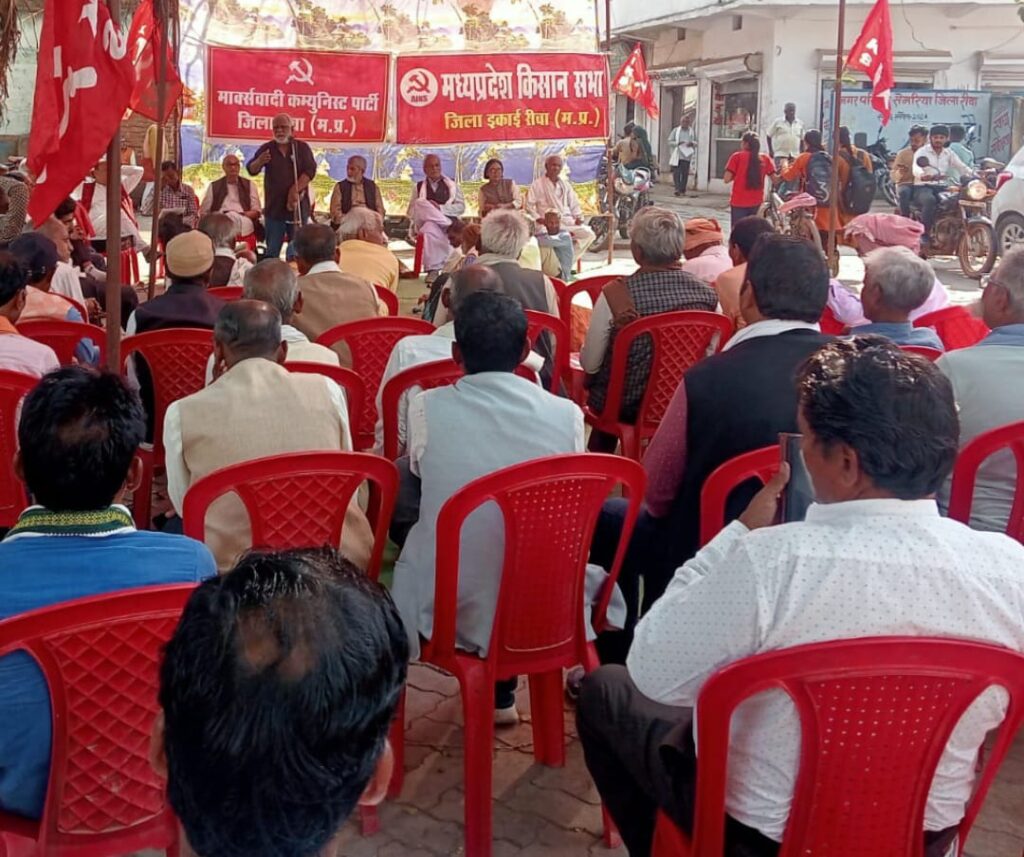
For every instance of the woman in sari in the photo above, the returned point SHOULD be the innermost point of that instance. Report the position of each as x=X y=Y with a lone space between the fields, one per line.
x=497 y=191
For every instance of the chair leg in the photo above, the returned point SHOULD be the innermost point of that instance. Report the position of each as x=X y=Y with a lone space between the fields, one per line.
x=610 y=835
x=478 y=713
x=397 y=738
x=548 y=718
x=369 y=821
x=630 y=441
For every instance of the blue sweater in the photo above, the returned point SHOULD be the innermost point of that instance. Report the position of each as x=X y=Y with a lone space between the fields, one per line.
x=38 y=571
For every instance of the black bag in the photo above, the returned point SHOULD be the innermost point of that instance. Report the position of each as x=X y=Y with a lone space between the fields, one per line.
x=819 y=178
x=859 y=192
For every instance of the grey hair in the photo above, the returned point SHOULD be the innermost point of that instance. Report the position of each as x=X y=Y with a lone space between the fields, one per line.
x=1010 y=275
x=357 y=220
x=249 y=328
x=903 y=278
x=659 y=234
x=504 y=233
x=273 y=281
x=219 y=228
x=358 y=158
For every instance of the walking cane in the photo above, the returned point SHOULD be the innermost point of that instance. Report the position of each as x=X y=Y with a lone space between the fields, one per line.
x=297 y=223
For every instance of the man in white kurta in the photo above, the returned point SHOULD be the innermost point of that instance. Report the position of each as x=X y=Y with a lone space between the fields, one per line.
x=437 y=201
x=553 y=193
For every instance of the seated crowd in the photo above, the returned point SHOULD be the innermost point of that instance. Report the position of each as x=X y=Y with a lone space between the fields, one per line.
x=289 y=665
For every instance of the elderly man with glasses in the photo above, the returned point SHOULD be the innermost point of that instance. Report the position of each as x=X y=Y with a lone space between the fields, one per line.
x=235 y=196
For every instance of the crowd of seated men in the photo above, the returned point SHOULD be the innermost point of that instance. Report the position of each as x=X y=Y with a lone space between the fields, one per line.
x=298 y=633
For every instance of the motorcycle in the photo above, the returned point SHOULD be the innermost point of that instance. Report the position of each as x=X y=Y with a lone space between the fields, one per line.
x=881 y=164
x=793 y=215
x=962 y=227
x=632 y=192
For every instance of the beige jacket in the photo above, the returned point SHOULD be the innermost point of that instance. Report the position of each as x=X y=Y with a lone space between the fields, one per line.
x=330 y=298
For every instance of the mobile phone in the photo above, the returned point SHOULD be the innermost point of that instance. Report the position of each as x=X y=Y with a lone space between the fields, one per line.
x=798 y=493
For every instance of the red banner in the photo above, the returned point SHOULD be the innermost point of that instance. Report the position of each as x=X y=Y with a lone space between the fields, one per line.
x=331 y=97
x=479 y=98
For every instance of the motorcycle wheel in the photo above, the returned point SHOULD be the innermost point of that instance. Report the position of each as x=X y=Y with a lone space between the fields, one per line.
x=600 y=227
x=888 y=187
x=808 y=230
x=977 y=250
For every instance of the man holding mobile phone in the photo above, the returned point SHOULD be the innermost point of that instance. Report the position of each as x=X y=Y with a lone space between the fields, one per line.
x=873 y=558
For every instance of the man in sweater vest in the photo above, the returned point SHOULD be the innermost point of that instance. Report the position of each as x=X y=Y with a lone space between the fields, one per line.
x=355 y=191
x=988 y=382
x=734 y=402
x=435 y=204
x=364 y=249
x=249 y=411
x=237 y=197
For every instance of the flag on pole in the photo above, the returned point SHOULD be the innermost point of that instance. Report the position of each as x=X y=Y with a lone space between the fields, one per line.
x=634 y=82
x=872 y=54
x=84 y=80
x=147 y=39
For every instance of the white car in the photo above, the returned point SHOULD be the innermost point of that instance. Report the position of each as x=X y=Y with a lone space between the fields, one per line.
x=1008 y=205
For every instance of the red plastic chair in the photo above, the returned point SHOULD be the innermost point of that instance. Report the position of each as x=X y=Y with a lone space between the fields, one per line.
x=760 y=464
x=388 y=298
x=543 y=322
x=591 y=285
x=226 y=293
x=100 y=657
x=63 y=337
x=956 y=327
x=349 y=381
x=858 y=790
x=371 y=341
x=177 y=359
x=129 y=268
x=426 y=376
x=14 y=386
x=925 y=351
x=681 y=339
x=831 y=325
x=299 y=499
x=965 y=472
x=550 y=508
x=248 y=240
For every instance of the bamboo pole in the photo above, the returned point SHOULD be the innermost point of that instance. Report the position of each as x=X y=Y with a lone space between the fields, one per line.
x=158 y=153
x=837 y=102
x=610 y=177
x=113 y=284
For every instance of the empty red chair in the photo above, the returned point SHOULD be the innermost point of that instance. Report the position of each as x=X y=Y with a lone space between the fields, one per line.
x=100 y=657
x=177 y=359
x=956 y=327
x=591 y=285
x=349 y=381
x=680 y=340
x=371 y=341
x=965 y=473
x=14 y=386
x=760 y=464
x=925 y=351
x=860 y=789
x=541 y=322
x=298 y=500
x=550 y=508
x=226 y=293
x=426 y=376
x=388 y=298
x=63 y=337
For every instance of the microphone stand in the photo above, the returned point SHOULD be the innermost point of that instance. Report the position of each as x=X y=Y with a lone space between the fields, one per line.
x=298 y=201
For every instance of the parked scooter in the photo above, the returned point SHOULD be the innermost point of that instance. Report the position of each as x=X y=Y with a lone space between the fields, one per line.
x=632 y=192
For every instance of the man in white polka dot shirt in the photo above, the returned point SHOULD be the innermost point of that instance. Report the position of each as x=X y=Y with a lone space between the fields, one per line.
x=872 y=558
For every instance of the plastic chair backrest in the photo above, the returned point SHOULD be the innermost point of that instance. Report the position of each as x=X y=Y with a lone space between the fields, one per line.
x=388 y=298
x=876 y=715
x=543 y=322
x=925 y=351
x=550 y=508
x=680 y=340
x=63 y=336
x=371 y=341
x=177 y=359
x=349 y=381
x=760 y=464
x=14 y=386
x=226 y=293
x=956 y=327
x=829 y=324
x=591 y=285
x=965 y=472
x=101 y=657
x=426 y=376
x=298 y=500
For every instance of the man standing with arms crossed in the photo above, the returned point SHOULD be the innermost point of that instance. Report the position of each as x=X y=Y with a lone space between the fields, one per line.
x=288 y=167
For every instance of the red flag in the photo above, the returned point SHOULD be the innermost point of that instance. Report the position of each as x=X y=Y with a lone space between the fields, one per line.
x=84 y=79
x=634 y=82
x=872 y=54
x=147 y=40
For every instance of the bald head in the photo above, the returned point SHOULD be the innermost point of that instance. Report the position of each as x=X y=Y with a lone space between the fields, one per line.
x=274 y=282
x=247 y=329
x=57 y=232
x=472 y=278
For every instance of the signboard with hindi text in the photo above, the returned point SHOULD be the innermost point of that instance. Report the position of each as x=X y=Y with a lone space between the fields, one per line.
x=332 y=97
x=470 y=98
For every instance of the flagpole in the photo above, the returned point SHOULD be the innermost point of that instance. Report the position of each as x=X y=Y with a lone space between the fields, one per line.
x=113 y=285
x=837 y=103
x=158 y=153
x=610 y=177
